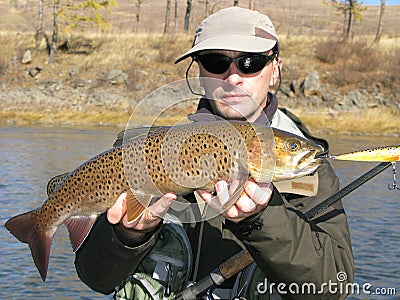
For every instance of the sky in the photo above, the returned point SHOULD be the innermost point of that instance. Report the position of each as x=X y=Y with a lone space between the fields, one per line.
x=378 y=2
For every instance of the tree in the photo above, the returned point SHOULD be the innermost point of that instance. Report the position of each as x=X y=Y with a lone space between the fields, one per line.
x=74 y=15
x=207 y=8
x=55 y=32
x=39 y=31
x=187 y=15
x=176 y=15
x=251 y=4
x=137 y=4
x=84 y=13
x=379 y=30
x=351 y=11
x=167 y=16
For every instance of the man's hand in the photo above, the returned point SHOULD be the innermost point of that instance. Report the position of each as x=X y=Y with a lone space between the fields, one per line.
x=147 y=221
x=253 y=200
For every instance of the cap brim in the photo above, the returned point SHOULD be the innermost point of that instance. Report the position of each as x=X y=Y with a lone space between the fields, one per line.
x=234 y=42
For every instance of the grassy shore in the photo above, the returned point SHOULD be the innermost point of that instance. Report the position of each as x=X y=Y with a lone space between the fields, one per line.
x=373 y=122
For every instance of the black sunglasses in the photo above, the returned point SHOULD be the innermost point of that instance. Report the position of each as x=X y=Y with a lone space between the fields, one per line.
x=217 y=63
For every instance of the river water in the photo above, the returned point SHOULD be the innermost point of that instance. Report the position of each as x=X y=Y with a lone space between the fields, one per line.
x=29 y=156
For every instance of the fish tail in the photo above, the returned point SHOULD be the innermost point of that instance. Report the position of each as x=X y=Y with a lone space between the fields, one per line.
x=24 y=228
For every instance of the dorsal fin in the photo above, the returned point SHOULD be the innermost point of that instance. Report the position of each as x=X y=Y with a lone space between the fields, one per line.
x=132 y=133
x=54 y=182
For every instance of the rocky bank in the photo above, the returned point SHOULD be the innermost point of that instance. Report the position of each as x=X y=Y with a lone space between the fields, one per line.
x=114 y=91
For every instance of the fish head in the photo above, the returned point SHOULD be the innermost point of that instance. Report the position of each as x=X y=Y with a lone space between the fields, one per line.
x=283 y=156
x=295 y=156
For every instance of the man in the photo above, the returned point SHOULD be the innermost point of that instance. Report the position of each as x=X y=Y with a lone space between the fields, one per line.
x=239 y=47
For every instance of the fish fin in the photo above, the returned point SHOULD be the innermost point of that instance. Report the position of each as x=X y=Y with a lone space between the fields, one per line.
x=24 y=228
x=131 y=133
x=54 y=183
x=78 y=229
x=134 y=206
x=234 y=197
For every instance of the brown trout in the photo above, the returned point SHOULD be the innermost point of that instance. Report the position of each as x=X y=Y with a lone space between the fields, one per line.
x=178 y=159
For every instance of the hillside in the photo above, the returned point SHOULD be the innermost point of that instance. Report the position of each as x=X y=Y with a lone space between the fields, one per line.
x=102 y=76
x=289 y=16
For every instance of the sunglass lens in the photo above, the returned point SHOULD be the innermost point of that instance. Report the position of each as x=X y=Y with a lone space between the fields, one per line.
x=215 y=63
x=249 y=64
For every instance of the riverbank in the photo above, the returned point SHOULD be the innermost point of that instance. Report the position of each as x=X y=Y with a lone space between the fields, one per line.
x=374 y=122
x=100 y=79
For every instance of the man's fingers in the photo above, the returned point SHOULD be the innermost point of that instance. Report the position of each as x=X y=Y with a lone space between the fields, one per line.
x=118 y=210
x=205 y=195
x=152 y=215
x=259 y=195
x=160 y=207
x=222 y=192
x=245 y=204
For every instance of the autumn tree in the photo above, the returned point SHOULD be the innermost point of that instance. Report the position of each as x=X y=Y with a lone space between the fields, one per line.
x=351 y=11
x=74 y=15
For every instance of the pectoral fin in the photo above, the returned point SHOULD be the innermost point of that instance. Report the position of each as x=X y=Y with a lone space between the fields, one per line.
x=135 y=205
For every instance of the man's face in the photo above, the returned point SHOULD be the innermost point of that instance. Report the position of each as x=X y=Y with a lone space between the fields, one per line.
x=237 y=95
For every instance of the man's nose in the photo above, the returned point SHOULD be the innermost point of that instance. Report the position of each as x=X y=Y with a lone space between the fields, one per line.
x=233 y=75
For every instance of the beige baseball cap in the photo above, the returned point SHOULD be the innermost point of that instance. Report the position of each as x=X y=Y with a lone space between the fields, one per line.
x=234 y=28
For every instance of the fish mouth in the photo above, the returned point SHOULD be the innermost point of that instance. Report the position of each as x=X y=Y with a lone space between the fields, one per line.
x=307 y=162
x=309 y=168
x=306 y=158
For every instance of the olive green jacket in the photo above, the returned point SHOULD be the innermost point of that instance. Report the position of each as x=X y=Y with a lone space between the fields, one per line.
x=287 y=246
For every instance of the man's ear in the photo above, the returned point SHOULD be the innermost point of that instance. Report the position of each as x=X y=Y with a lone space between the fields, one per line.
x=277 y=67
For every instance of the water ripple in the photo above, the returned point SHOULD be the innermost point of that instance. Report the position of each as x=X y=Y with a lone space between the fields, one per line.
x=32 y=155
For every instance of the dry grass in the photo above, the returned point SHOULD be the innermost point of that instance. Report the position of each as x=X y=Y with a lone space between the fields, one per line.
x=90 y=118
x=148 y=60
x=64 y=118
x=371 y=122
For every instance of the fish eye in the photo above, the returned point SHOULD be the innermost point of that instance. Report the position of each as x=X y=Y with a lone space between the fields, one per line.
x=293 y=145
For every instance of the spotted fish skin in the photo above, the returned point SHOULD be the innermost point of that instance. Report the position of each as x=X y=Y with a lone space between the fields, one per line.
x=379 y=154
x=178 y=159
